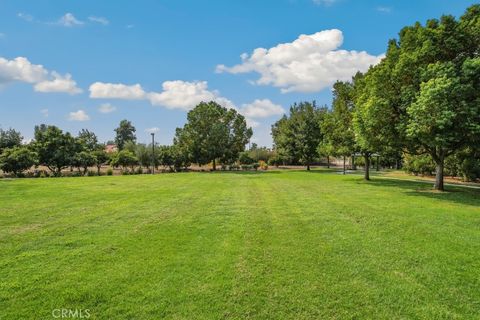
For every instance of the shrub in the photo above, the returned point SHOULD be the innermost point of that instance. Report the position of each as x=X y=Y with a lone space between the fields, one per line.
x=139 y=170
x=256 y=166
x=419 y=164
x=91 y=173
x=44 y=174
x=245 y=158
x=109 y=172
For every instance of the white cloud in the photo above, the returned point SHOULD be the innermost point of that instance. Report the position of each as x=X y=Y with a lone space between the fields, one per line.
x=384 y=9
x=79 y=115
x=21 y=69
x=176 y=94
x=152 y=130
x=102 y=90
x=44 y=112
x=106 y=108
x=101 y=20
x=261 y=108
x=25 y=16
x=185 y=95
x=69 y=20
x=325 y=2
x=252 y=123
x=58 y=84
x=311 y=63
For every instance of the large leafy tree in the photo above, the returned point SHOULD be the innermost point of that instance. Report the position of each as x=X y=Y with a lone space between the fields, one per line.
x=124 y=133
x=17 y=159
x=55 y=149
x=446 y=113
x=212 y=133
x=298 y=135
x=9 y=138
x=338 y=135
x=416 y=96
x=88 y=140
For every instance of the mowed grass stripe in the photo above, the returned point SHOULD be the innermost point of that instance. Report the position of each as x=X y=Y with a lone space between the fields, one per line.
x=233 y=245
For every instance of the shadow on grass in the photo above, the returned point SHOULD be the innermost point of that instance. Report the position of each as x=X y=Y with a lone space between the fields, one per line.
x=462 y=195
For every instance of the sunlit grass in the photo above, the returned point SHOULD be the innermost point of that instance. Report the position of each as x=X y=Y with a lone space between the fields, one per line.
x=272 y=245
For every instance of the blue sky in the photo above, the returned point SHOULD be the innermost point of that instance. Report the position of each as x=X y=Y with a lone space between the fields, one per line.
x=90 y=64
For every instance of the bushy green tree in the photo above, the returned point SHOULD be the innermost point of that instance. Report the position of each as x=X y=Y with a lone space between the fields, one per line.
x=296 y=136
x=10 y=138
x=213 y=133
x=83 y=160
x=17 y=159
x=55 y=149
x=124 y=133
x=124 y=158
x=338 y=134
x=101 y=158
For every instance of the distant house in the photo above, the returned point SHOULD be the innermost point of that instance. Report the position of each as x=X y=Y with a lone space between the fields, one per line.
x=111 y=148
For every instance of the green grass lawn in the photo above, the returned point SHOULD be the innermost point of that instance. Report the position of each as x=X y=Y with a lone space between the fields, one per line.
x=275 y=245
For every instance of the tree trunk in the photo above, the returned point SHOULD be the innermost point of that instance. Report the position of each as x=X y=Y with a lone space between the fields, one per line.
x=214 y=165
x=344 y=165
x=439 y=175
x=308 y=166
x=354 y=166
x=328 y=162
x=367 y=167
x=98 y=170
x=378 y=163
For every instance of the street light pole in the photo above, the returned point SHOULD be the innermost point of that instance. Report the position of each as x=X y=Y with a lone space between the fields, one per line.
x=153 y=153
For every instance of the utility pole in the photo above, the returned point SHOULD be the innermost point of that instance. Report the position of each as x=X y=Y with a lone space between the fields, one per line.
x=153 y=153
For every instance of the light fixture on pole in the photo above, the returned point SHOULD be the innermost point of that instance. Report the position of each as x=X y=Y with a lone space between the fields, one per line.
x=153 y=152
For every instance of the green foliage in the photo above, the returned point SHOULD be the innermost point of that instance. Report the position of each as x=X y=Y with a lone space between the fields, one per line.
x=9 y=138
x=54 y=148
x=124 y=158
x=338 y=135
x=245 y=158
x=83 y=160
x=109 y=172
x=297 y=136
x=88 y=140
x=213 y=132
x=419 y=164
x=17 y=159
x=124 y=133
x=424 y=96
x=101 y=158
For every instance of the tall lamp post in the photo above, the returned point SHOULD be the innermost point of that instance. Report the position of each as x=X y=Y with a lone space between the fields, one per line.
x=153 y=153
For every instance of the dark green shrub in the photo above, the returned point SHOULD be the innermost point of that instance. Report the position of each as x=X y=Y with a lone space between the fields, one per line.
x=109 y=172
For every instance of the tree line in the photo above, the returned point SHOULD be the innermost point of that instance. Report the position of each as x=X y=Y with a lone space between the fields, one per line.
x=212 y=133
x=421 y=103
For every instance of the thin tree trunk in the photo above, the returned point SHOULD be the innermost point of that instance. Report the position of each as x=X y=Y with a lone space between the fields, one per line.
x=367 y=167
x=98 y=170
x=354 y=166
x=378 y=163
x=308 y=166
x=439 y=175
x=214 y=165
x=344 y=165
x=328 y=162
